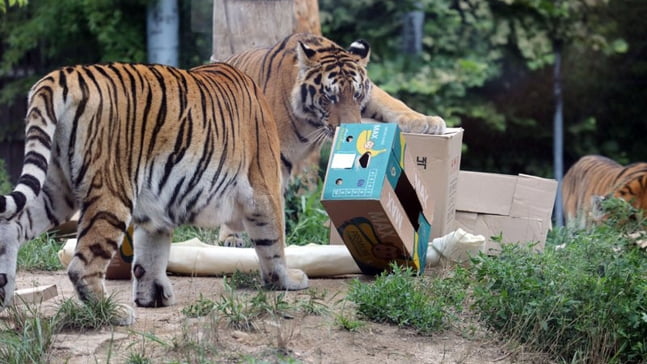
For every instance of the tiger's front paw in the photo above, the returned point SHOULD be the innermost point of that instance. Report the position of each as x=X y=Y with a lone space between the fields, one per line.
x=435 y=125
x=424 y=125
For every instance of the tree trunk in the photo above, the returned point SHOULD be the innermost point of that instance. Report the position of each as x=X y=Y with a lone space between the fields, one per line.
x=240 y=25
x=306 y=17
x=163 y=24
x=412 y=30
x=558 y=129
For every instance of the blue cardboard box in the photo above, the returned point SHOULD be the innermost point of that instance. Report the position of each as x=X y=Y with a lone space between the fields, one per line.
x=371 y=201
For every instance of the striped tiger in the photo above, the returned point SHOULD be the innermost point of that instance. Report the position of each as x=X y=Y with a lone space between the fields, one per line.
x=594 y=177
x=151 y=145
x=313 y=85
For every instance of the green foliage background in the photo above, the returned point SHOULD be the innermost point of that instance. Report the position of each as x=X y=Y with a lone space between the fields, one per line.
x=485 y=65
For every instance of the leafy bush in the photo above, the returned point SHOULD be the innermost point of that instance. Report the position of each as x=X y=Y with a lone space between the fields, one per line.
x=306 y=219
x=585 y=302
x=5 y=184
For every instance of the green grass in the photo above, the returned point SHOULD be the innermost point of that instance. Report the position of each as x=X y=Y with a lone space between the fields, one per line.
x=402 y=299
x=26 y=336
x=349 y=321
x=137 y=358
x=91 y=315
x=241 y=280
x=187 y=232
x=201 y=307
x=586 y=302
x=40 y=254
x=312 y=302
x=241 y=313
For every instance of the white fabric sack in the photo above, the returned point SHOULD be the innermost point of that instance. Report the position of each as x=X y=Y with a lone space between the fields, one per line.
x=197 y=258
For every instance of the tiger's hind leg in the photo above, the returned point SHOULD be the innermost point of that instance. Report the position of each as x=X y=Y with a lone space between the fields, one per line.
x=264 y=222
x=151 y=287
x=231 y=236
x=101 y=228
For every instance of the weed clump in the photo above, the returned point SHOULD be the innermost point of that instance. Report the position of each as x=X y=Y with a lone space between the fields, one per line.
x=400 y=298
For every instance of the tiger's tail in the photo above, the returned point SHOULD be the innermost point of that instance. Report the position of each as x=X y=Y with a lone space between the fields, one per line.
x=40 y=125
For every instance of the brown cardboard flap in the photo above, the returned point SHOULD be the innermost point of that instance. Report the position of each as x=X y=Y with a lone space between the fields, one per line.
x=518 y=207
x=534 y=197
x=398 y=224
x=485 y=193
x=437 y=160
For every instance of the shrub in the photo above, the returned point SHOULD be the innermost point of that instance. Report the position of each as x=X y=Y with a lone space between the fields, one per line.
x=586 y=302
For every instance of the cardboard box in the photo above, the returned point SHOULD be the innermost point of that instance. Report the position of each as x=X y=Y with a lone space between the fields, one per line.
x=372 y=202
x=34 y=295
x=438 y=160
x=517 y=207
x=121 y=264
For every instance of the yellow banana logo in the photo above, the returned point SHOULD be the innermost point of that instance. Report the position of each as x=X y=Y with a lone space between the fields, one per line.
x=365 y=144
x=364 y=244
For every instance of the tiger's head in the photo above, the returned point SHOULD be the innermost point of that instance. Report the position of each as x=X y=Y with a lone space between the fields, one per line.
x=332 y=85
x=629 y=199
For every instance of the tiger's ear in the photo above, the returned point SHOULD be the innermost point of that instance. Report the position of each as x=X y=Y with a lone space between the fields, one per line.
x=362 y=49
x=305 y=55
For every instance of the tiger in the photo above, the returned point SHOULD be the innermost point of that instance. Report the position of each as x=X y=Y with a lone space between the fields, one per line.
x=593 y=178
x=313 y=85
x=149 y=145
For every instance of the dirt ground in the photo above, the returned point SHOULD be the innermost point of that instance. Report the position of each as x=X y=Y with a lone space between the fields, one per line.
x=166 y=335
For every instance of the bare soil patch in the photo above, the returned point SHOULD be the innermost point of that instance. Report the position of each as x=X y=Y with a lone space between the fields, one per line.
x=166 y=335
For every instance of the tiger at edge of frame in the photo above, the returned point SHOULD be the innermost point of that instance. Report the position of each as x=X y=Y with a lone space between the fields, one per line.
x=593 y=178
x=152 y=145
